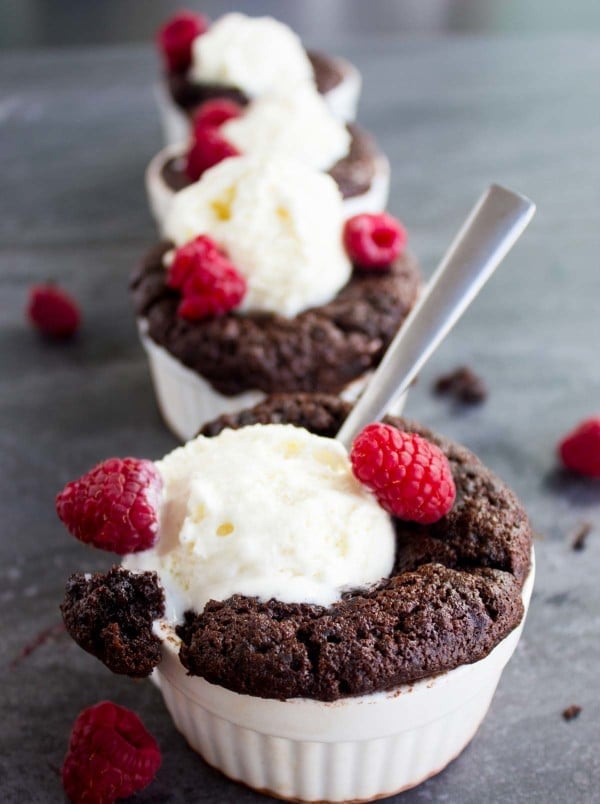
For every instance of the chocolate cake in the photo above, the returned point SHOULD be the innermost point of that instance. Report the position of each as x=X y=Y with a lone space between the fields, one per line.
x=323 y=348
x=188 y=95
x=353 y=174
x=453 y=595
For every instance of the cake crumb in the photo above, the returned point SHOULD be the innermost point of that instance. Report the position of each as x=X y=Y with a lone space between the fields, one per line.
x=571 y=712
x=579 y=541
x=463 y=385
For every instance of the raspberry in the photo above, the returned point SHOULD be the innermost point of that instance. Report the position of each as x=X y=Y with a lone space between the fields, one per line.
x=374 y=241
x=411 y=477
x=53 y=311
x=175 y=39
x=214 y=113
x=208 y=149
x=111 y=755
x=209 y=284
x=114 y=506
x=580 y=449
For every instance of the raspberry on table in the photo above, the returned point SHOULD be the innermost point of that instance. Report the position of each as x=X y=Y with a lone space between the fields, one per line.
x=114 y=506
x=176 y=36
x=410 y=476
x=579 y=450
x=213 y=113
x=209 y=283
x=53 y=312
x=111 y=755
x=374 y=241
x=207 y=150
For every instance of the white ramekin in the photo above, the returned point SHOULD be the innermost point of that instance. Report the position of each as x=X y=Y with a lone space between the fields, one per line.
x=187 y=401
x=342 y=100
x=354 y=749
x=160 y=195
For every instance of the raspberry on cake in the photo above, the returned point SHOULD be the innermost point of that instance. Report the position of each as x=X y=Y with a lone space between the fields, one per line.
x=114 y=506
x=209 y=284
x=111 y=755
x=176 y=37
x=215 y=112
x=374 y=241
x=410 y=477
x=208 y=149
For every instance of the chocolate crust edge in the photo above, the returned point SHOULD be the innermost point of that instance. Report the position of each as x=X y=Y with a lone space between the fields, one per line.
x=110 y=615
x=188 y=95
x=323 y=348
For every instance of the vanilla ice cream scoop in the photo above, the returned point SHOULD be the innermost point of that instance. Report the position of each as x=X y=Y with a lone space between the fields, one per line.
x=271 y=511
x=255 y=54
x=296 y=125
x=280 y=223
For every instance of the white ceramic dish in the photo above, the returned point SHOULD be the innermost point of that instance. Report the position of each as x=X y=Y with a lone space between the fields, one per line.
x=160 y=195
x=354 y=749
x=342 y=100
x=187 y=401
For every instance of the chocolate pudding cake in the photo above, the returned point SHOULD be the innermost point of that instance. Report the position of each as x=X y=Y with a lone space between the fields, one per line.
x=453 y=594
x=324 y=348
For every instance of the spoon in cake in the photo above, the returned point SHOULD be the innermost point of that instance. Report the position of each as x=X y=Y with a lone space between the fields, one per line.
x=494 y=225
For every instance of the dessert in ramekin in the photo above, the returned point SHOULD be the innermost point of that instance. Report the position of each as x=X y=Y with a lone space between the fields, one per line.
x=313 y=316
x=307 y=643
x=295 y=126
x=242 y=58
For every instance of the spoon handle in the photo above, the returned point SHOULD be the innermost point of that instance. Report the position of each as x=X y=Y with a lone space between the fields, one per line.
x=493 y=227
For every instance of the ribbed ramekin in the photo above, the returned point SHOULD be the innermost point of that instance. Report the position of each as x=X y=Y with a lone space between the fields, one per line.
x=160 y=195
x=187 y=401
x=342 y=100
x=354 y=749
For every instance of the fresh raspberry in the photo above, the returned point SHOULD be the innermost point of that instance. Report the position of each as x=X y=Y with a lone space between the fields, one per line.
x=114 y=506
x=176 y=36
x=411 y=477
x=53 y=311
x=214 y=113
x=209 y=284
x=208 y=149
x=580 y=449
x=111 y=755
x=374 y=241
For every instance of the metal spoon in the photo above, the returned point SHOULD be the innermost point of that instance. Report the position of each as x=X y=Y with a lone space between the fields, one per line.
x=493 y=227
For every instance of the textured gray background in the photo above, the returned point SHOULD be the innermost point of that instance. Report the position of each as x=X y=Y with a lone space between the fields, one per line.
x=76 y=130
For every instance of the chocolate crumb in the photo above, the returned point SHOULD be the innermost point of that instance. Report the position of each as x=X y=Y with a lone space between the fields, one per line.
x=463 y=385
x=580 y=538
x=571 y=712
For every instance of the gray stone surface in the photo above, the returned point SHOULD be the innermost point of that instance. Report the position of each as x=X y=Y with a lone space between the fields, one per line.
x=76 y=130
